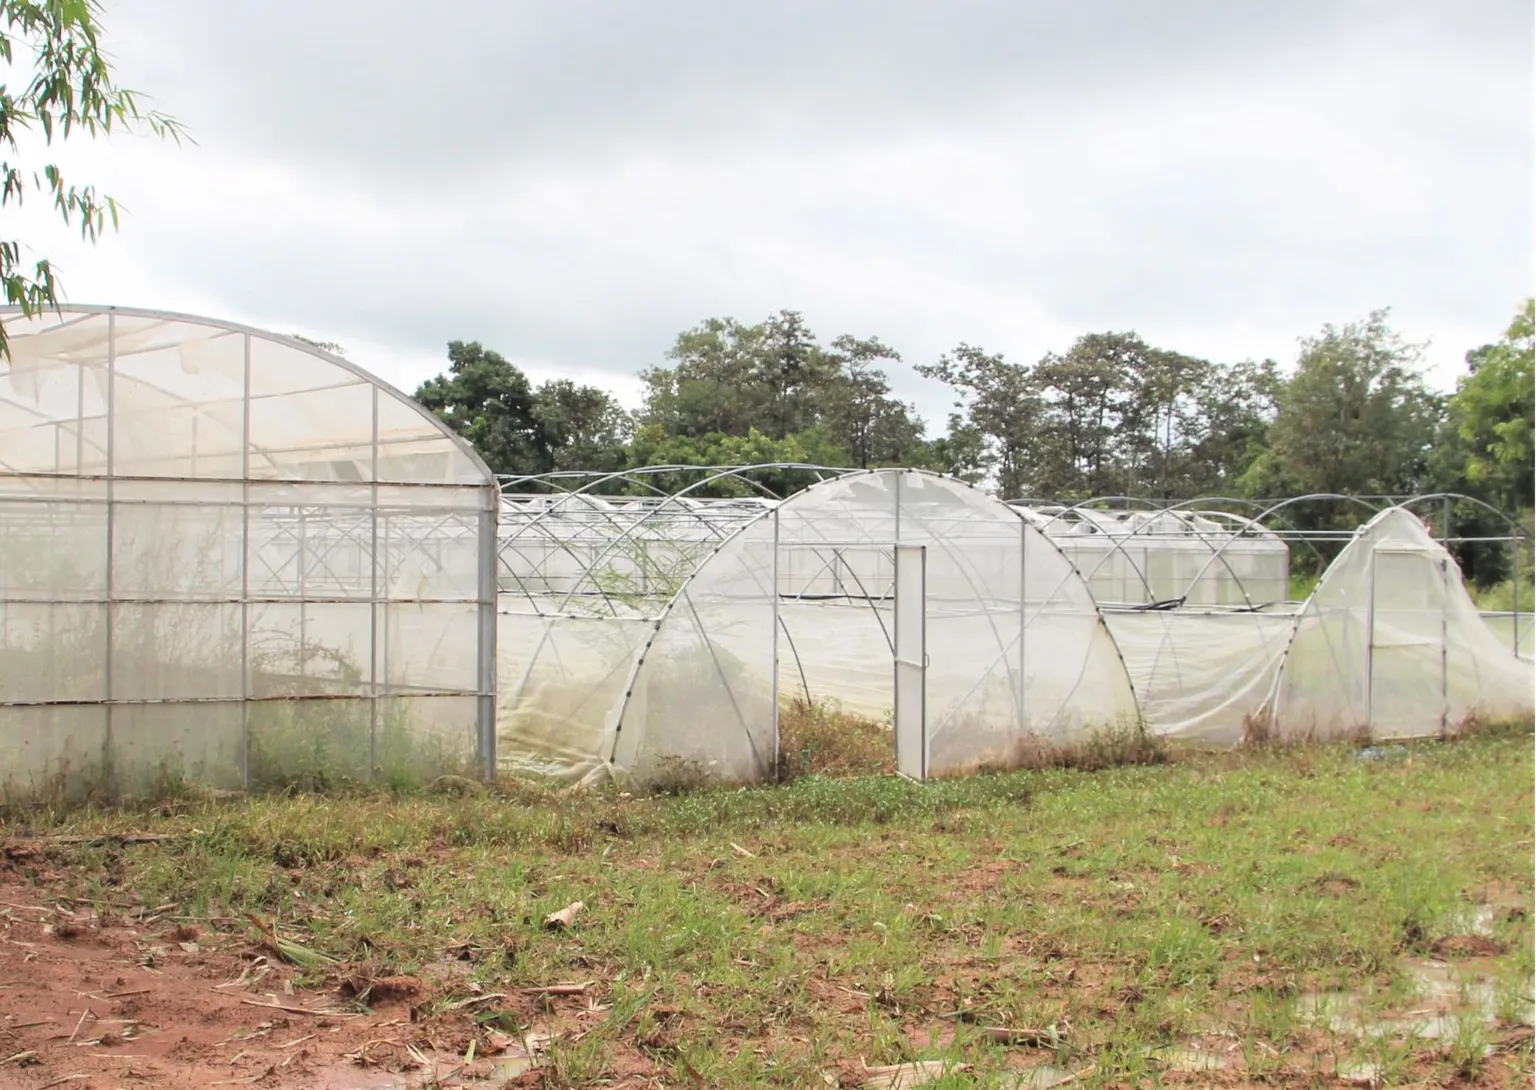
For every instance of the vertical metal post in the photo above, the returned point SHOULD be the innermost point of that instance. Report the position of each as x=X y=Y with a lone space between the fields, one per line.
x=80 y=422
x=1370 y=642
x=303 y=592
x=777 y=771
x=245 y=572
x=1445 y=522
x=1514 y=589
x=1023 y=719
x=1445 y=690
x=111 y=619
x=485 y=718
x=373 y=593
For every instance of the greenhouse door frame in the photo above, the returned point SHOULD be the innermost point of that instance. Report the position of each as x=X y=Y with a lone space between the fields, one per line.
x=908 y=642
x=1373 y=650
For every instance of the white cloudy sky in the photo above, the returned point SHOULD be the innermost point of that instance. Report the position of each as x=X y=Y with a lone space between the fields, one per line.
x=574 y=181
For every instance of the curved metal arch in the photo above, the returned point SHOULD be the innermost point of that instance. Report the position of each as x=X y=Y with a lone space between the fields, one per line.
x=1518 y=530
x=1118 y=541
x=1267 y=512
x=87 y=309
x=1115 y=546
x=508 y=481
x=1280 y=507
x=671 y=501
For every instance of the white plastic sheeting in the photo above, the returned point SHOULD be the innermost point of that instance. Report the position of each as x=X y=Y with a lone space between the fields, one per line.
x=226 y=555
x=1202 y=675
x=1390 y=644
x=800 y=599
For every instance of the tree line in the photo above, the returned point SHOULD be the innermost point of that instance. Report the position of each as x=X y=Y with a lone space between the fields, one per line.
x=1109 y=415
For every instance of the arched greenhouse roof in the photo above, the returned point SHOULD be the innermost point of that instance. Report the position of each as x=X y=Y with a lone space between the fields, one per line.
x=94 y=390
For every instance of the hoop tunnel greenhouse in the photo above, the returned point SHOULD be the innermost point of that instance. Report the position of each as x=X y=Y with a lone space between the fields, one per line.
x=802 y=597
x=230 y=557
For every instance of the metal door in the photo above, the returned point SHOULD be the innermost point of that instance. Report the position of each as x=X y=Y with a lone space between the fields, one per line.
x=1406 y=652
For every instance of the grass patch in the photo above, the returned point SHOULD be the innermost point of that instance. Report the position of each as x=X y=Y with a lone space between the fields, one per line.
x=1099 y=921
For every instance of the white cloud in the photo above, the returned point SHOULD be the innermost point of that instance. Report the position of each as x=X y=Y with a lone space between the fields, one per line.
x=573 y=191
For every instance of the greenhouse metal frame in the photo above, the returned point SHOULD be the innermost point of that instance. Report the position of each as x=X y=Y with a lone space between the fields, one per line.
x=1209 y=647
x=234 y=557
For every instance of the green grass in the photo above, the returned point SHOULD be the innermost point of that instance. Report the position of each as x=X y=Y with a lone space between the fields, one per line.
x=764 y=936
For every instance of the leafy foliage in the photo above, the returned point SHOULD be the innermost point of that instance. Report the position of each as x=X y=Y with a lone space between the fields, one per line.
x=519 y=429
x=1492 y=411
x=1356 y=417
x=1112 y=415
x=68 y=87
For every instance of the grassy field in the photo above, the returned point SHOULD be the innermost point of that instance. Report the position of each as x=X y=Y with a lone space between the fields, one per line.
x=1284 y=916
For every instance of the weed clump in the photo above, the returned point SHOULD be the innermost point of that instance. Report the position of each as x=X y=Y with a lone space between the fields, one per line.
x=821 y=739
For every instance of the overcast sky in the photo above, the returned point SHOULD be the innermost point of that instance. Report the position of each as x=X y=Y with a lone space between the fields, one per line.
x=572 y=182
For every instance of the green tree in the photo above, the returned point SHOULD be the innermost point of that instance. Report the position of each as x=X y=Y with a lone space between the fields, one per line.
x=66 y=86
x=1234 y=406
x=488 y=400
x=724 y=378
x=1491 y=414
x=861 y=416
x=961 y=452
x=1088 y=431
x=1000 y=404
x=1355 y=417
x=582 y=427
x=711 y=386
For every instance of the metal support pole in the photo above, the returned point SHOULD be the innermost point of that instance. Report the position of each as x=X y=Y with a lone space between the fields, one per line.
x=303 y=553
x=1370 y=643
x=1445 y=689
x=1023 y=719
x=111 y=619
x=485 y=717
x=777 y=771
x=245 y=573
x=1514 y=590
x=373 y=595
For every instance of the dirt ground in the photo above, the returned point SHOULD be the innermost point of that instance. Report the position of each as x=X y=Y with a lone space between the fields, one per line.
x=140 y=1000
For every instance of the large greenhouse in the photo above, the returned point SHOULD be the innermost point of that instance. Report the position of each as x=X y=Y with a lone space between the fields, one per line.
x=233 y=558
x=228 y=556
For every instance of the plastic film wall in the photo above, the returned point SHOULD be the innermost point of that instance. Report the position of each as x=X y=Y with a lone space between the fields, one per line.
x=230 y=558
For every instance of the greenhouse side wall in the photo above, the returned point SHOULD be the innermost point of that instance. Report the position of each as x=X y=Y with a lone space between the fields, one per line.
x=229 y=561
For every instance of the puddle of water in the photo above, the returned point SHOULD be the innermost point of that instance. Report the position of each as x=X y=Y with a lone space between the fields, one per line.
x=1190 y=1059
x=1043 y=1077
x=1359 y=1074
x=1447 y=998
x=1477 y=919
x=353 y=1077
